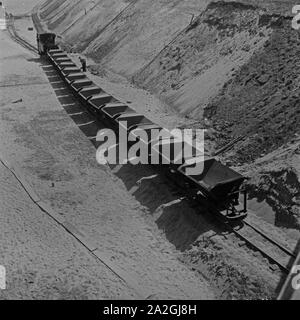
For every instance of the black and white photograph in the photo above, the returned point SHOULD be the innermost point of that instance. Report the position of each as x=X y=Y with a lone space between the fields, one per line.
x=149 y=151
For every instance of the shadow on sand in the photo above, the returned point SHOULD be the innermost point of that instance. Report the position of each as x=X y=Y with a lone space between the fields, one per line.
x=181 y=224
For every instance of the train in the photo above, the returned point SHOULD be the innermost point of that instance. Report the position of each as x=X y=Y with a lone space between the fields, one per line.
x=218 y=187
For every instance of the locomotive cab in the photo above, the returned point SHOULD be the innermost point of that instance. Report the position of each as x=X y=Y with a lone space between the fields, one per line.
x=45 y=42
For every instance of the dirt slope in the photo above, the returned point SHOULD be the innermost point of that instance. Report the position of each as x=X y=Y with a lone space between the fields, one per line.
x=262 y=99
x=131 y=40
x=274 y=188
x=194 y=68
x=67 y=17
x=236 y=63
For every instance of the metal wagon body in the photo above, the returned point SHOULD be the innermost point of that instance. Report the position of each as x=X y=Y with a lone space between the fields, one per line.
x=219 y=184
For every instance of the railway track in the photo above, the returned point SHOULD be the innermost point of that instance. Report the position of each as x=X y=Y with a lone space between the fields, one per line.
x=14 y=35
x=270 y=249
x=252 y=236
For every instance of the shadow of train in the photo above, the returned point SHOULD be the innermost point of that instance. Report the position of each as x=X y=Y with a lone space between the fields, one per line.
x=174 y=216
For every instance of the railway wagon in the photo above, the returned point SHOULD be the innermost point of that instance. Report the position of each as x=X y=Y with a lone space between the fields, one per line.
x=218 y=184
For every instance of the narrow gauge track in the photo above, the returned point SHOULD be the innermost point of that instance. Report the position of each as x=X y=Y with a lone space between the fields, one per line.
x=256 y=238
x=13 y=34
x=250 y=234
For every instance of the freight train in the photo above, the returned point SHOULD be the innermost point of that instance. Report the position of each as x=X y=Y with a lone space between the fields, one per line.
x=218 y=187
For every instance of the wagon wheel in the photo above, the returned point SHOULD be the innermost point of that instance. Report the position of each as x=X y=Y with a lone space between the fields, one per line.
x=231 y=211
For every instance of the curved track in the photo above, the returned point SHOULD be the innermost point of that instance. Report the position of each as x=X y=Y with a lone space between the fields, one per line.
x=13 y=34
x=251 y=235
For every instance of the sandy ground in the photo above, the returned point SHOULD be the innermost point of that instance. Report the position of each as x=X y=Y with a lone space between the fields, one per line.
x=39 y=138
x=179 y=229
x=42 y=261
